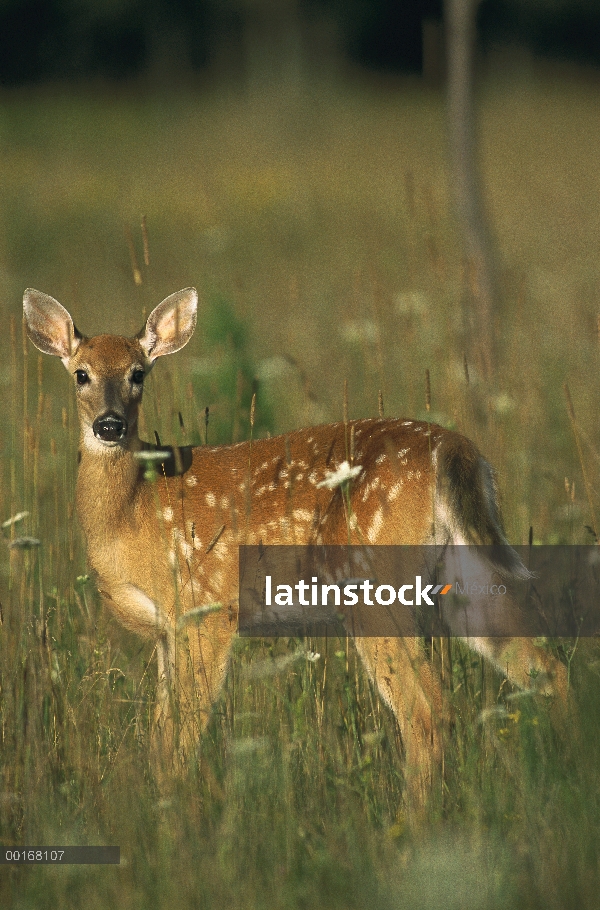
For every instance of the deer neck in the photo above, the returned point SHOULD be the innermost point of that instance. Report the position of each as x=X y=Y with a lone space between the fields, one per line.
x=108 y=483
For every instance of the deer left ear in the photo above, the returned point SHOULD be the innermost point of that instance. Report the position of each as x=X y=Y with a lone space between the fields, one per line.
x=170 y=326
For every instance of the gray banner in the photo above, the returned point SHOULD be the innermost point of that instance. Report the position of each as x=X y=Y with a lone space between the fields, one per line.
x=465 y=591
x=60 y=856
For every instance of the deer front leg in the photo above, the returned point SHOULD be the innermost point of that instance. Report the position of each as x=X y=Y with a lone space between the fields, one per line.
x=191 y=667
x=134 y=609
x=140 y=614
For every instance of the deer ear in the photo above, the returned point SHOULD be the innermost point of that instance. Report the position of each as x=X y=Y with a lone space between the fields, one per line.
x=49 y=326
x=171 y=325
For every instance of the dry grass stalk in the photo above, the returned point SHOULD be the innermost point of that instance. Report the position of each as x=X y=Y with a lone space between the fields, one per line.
x=588 y=489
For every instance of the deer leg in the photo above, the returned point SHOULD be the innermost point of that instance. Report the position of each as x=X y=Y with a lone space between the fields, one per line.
x=163 y=741
x=525 y=664
x=202 y=659
x=404 y=678
x=134 y=609
x=140 y=614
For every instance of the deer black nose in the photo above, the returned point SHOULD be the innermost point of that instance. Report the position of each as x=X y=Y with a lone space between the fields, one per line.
x=110 y=427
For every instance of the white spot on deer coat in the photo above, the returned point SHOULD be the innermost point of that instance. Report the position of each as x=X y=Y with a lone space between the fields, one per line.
x=211 y=499
x=375 y=527
x=168 y=513
x=186 y=549
x=394 y=491
x=217 y=581
x=302 y=515
x=192 y=480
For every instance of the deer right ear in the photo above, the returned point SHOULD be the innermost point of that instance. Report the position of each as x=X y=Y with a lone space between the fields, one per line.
x=49 y=326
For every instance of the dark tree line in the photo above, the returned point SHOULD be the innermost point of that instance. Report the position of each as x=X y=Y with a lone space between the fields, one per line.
x=41 y=39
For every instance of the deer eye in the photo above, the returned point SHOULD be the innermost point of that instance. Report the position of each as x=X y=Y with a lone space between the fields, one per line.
x=137 y=377
x=82 y=377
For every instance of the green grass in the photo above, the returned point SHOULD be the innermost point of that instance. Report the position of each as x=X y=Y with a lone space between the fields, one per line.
x=319 y=232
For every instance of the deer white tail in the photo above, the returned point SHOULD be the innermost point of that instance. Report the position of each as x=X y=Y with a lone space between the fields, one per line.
x=467 y=492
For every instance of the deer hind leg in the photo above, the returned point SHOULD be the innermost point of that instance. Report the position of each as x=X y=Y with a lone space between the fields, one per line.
x=191 y=669
x=404 y=678
x=516 y=654
x=163 y=740
x=525 y=664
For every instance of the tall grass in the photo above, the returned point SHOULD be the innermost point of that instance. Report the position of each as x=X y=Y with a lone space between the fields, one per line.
x=325 y=226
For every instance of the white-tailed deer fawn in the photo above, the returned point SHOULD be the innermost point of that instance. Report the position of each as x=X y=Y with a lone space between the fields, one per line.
x=162 y=550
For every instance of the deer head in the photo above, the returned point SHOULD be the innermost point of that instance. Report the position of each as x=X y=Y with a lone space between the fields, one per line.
x=109 y=370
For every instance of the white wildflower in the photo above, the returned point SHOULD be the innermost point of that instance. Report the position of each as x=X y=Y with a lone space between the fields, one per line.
x=497 y=712
x=152 y=455
x=14 y=519
x=248 y=744
x=503 y=403
x=411 y=303
x=340 y=477
x=24 y=543
x=196 y=615
x=273 y=368
x=360 y=330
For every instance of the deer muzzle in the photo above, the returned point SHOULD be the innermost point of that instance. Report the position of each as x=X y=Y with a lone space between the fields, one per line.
x=110 y=427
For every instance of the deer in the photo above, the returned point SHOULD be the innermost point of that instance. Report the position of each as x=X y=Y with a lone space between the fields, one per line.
x=164 y=548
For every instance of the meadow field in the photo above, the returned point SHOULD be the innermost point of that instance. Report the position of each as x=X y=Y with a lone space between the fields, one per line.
x=317 y=226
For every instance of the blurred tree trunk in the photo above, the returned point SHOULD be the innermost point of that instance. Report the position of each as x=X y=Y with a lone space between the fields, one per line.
x=460 y=32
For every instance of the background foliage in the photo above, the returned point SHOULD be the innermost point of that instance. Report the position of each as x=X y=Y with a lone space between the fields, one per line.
x=42 y=39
